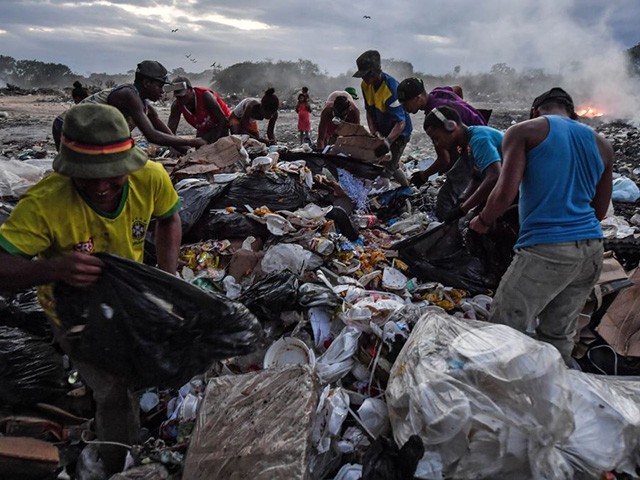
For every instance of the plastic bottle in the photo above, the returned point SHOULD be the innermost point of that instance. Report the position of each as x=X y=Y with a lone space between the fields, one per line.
x=365 y=221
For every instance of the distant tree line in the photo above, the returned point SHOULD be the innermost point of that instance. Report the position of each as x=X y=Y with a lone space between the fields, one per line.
x=502 y=82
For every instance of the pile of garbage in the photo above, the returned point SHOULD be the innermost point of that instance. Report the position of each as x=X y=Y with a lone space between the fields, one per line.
x=324 y=325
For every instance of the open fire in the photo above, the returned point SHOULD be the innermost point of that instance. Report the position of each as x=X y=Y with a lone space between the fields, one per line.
x=589 y=112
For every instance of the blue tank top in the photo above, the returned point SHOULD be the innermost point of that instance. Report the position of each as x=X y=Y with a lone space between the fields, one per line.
x=558 y=185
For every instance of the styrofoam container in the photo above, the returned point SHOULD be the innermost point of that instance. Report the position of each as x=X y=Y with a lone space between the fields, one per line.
x=288 y=351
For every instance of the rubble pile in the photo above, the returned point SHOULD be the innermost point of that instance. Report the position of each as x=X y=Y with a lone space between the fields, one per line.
x=359 y=345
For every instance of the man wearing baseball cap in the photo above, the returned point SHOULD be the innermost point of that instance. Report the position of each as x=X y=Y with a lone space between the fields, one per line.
x=101 y=198
x=202 y=108
x=134 y=102
x=413 y=97
x=385 y=116
x=563 y=171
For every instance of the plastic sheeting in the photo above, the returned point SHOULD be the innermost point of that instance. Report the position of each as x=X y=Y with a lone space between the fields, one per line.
x=490 y=402
x=255 y=426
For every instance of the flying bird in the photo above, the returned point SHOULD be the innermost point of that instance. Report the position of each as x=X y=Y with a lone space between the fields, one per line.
x=214 y=64
x=174 y=30
x=187 y=55
x=366 y=16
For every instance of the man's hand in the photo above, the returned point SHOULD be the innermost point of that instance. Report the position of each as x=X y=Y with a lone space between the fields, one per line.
x=478 y=226
x=197 y=142
x=77 y=269
x=382 y=149
x=418 y=179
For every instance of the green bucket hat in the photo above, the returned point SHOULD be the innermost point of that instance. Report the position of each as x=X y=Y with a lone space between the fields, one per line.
x=96 y=143
x=352 y=91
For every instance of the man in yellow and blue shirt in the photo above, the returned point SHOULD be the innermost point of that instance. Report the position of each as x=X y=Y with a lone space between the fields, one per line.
x=385 y=115
x=101 y=198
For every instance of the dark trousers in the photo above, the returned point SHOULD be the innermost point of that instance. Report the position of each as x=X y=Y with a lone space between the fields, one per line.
x=117 y=408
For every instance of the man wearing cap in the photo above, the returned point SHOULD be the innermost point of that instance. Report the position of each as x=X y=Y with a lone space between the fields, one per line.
x=385 y=115
x=101 y=198
x=413 y=97
x=563 y=171
x=202 y=108
x=134 y=102
x=339 y=107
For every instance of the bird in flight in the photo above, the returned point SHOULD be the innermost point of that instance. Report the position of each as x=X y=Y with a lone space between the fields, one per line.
x=174 y=30
x=214 y=64
x=187 y=55
x=366 y=16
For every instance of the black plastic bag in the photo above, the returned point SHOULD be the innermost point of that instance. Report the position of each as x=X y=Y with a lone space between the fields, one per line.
x=276 y=192
x=152 y=327
x=440 y=256
x=268 y=298
x=220 y=224
x=384 y=461
x=317 y=295
x=194 y=201
x=23 y=310
x=31 y=370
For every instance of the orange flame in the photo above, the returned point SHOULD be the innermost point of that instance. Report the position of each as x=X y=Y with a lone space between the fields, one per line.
x=589 y=112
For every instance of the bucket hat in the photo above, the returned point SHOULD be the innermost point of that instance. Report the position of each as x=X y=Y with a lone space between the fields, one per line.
x=368 y=63
x=96 y=143
x=153 y=70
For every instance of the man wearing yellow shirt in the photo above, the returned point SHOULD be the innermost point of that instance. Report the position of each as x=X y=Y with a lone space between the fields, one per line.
x=101 y=198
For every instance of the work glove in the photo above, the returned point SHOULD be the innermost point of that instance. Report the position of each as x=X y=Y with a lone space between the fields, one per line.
x=454 y=214
x=382 y=149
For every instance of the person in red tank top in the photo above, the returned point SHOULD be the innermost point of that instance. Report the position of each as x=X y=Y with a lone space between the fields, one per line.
x=202 y=108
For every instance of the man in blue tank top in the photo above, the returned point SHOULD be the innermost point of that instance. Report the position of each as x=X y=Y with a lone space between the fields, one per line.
x=563 y=170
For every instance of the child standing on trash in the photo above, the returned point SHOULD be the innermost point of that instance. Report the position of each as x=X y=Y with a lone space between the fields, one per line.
x=303 y=110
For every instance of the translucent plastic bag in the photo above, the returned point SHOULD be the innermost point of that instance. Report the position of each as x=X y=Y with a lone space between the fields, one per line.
x=625 y=190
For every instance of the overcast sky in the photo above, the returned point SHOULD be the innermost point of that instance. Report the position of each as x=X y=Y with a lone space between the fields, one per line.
x=114 y=35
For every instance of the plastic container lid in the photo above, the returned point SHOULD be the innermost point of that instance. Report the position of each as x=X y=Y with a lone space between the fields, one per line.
x=288 y=351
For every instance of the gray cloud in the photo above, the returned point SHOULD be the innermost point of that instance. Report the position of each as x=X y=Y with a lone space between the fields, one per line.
x=114 y=35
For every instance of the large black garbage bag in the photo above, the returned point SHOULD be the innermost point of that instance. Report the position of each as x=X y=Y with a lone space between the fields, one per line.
x=268 y=298
x=22 y=310
x=440 y=256
x=194 y=201
x=220 y=224
x=150 y=326
x=384 y=461
x=30 y=368
x=276 y=192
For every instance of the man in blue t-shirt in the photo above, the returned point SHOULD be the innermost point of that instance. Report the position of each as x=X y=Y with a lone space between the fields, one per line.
x=385 y=116
x=483 y=148
x=563 y=170
x=414 y=98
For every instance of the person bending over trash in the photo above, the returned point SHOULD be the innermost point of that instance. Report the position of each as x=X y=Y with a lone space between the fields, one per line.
x=385 y=116
x=243 y=118
x=563 y=170
x=134 y=102
x=202 y=108
x=339 y=107
x=413 y=97
x=483 y=147
x=101 y=198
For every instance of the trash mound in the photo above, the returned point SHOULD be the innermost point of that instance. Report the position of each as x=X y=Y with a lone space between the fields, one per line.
x=488 y=402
